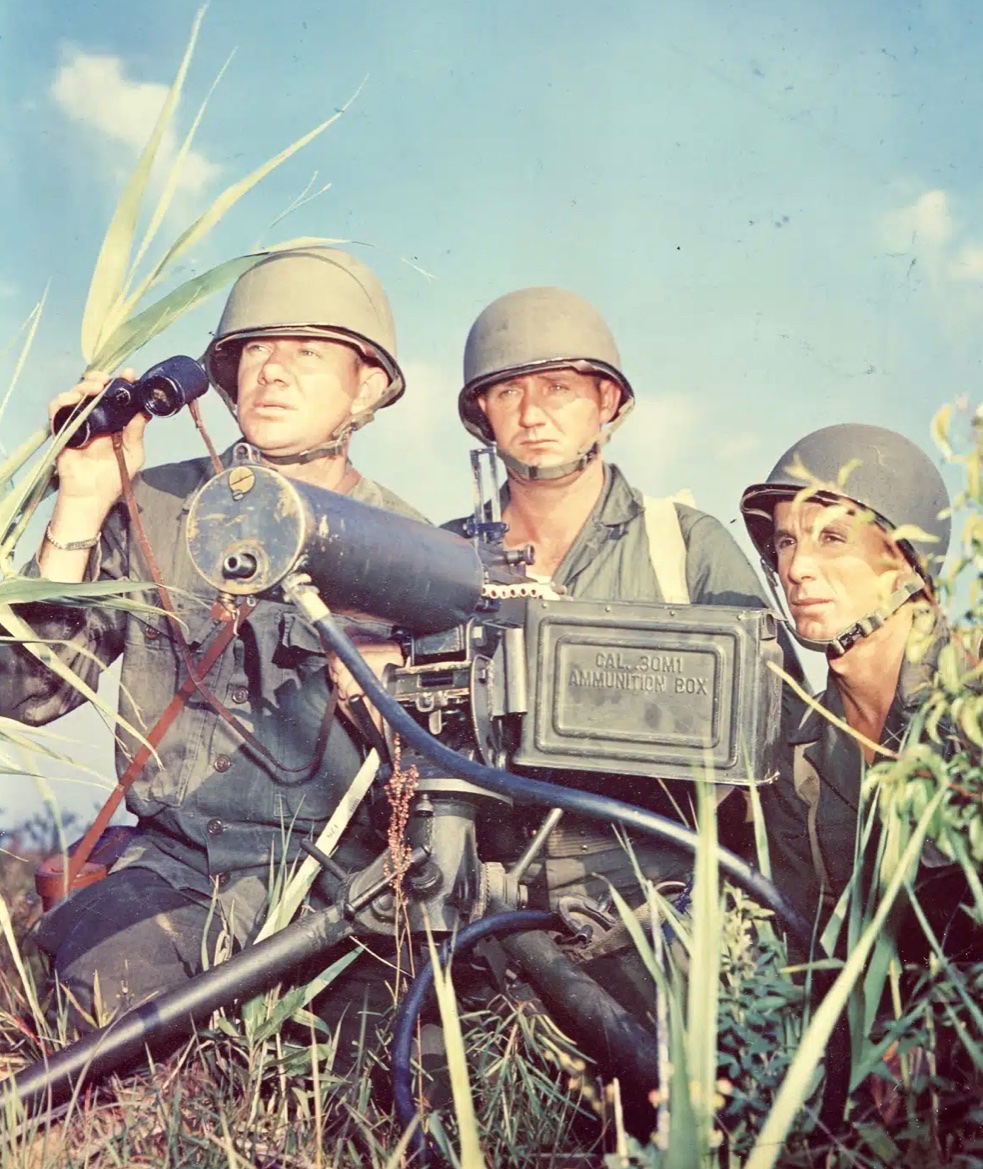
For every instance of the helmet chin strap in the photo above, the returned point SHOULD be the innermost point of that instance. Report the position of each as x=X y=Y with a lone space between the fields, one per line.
x=846 y=639
x=536 y=474
x=336 y=447
x=337 y=444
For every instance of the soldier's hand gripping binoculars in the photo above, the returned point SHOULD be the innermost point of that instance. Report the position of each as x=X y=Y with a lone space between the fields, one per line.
x=163 y=390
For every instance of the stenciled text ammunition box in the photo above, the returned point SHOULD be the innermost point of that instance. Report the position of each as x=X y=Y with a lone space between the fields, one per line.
x=673 y=691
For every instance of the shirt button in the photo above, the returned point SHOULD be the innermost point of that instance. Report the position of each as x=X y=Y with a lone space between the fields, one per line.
x=240 y=694
x=152 y=633
x=214 y=827
x=222 y=763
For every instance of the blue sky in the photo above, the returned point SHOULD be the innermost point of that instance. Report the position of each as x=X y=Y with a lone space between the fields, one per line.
x=776 y=205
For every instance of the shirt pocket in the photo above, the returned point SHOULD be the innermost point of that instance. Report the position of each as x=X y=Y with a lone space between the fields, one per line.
x=153 y=672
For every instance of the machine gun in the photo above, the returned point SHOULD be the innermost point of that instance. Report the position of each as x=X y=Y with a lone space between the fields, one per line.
x=501 y=674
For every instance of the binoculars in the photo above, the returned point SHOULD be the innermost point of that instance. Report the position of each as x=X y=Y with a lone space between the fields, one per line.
x=162 y=391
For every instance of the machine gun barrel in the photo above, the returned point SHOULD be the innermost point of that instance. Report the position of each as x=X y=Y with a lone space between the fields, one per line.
x=174 y=1014
x=250 y=527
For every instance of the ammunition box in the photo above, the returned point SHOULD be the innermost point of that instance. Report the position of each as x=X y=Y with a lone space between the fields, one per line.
x=666 y=691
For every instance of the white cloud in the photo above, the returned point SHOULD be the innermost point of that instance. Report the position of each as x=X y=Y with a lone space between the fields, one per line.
x=658 y=436
x=926 y=222
x=939 y=248
x=93 y=90
x=967 y=263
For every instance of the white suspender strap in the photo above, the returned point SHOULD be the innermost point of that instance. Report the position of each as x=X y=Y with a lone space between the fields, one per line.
x=667 y=549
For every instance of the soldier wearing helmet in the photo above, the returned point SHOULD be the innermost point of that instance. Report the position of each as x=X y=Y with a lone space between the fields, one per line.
x=544 y=384
x=251 y=763
x=853 y=523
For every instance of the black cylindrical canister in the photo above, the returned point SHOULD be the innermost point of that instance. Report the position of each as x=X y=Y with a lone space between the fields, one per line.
x=251 y=526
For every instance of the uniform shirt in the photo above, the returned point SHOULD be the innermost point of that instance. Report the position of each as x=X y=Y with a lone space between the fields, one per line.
x=840 y=764
x=610 y=560
x=213 y=811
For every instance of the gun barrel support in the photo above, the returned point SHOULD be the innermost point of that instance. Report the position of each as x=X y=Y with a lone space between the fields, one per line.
x=174 y=1014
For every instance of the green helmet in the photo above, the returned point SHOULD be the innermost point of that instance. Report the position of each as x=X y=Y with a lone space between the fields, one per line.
x=885 y=473
x=533 y=330
x=881 y=471
x=316 y=292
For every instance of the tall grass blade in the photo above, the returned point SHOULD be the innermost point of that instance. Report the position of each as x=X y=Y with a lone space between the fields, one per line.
x=796 y=1085
x=472 y=1156
x=109 y=277
x=137 y=330
x=174 y=174
x=31 y=324
x=228 y=199
x=29 y=640
x=26 y=982
x=704 y=973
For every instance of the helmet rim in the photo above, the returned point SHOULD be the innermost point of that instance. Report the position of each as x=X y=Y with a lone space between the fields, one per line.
x=475 y=420
x=221 y=359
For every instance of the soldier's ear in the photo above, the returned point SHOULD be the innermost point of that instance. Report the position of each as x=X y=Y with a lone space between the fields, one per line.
x=609 y=398
x=373 y=381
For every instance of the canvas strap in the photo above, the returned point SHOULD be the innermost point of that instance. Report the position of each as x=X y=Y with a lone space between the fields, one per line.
x=667 y=549
x=230 y=627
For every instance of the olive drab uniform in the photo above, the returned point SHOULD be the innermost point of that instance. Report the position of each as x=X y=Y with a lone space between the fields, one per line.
x=214 y=816
x=812 y=813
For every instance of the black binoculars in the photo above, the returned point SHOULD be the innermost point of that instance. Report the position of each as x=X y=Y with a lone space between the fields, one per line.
x=162 y=391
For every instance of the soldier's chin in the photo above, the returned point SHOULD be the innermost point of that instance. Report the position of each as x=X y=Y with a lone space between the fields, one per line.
x=815 y=630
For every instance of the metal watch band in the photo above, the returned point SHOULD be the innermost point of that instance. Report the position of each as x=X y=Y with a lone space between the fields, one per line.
x=70 y=545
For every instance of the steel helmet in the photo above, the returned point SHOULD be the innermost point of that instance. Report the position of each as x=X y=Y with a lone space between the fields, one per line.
x=532 y=330
x=312 y=291
x=882 y=471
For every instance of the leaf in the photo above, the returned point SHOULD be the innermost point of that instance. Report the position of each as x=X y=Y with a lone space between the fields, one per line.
x=26 y=637
x=969 y=720
x=704 y=975
x=229 y=197
x=174 y=174
x=913 y=533
x=32 y=323
x=796 y=1085
x=136 y=331
x=940 y=429
x=844 y=473
x=19 y=590
x=110 y=274
x=27 y=449
x=949 y=670
x=26 y=981
x=472 y=1156
x=296 y=998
